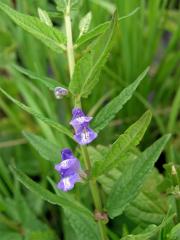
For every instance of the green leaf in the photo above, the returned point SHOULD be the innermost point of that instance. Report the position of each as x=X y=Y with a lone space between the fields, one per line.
x=48 y=121
x=44 y=17
x=63 y=199
x=100 y=29
x=79 y=216
x=88 y=68
x=84 y=228
x=150 y=206
x=131 y=137
x=46 y=81
x=175 y=233
x=9 y=235
x=107 y=113
x=145 y=235
x=50 y=36
x=5 y=174
x=151 y=230
x=45 y=148
x=129 y=184
x=41 y=235
x=85 y=23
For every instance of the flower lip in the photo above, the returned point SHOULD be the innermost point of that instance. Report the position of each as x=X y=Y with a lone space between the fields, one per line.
x=85 y=136
x=80 y=122
x=67 y=183
x=68 y=167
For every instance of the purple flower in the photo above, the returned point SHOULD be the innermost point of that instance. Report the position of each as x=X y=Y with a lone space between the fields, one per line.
x=69 y=169
x=60 y=92
x=80 y=122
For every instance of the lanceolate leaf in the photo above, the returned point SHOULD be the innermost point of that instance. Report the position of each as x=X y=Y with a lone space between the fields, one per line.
x=100 y=29
x=50 y=122
x=46 y=81
x=87 y=70
x=50 y=36
x=107 y=113
x=129 y=184
x=45 y=148
x=131 y=137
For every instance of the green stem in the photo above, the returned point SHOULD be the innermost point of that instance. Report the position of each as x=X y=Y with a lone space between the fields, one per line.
x=70 y=48
x=71 y=63
x=95 y=192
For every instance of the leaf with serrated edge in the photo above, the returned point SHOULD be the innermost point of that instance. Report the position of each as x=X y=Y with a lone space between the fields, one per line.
x=107 y=113
x=50 y=36
x=45 y=148
x=129 y=184
x=48 y=121
x=131 y=137
x=87 y=70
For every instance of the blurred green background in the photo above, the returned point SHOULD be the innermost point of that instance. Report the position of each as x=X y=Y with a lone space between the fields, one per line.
x=150 y=37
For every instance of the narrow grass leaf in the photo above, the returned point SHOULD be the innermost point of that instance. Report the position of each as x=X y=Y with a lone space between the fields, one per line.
x=129 y=184
x=107 y=113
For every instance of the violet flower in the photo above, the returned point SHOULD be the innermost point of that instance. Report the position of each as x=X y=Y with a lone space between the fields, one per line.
x=80 y=122
x=69 y=169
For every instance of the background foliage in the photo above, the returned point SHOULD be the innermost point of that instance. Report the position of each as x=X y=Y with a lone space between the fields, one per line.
x=112 y=56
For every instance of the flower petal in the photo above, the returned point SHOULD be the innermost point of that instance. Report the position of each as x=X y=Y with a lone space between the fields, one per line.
x=85 y=136
x=67 y=183
x=77 y=112
x=79 y=121
x=68 y=167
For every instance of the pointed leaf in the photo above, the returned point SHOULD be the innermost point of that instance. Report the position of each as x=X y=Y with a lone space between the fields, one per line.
x=107 y=113
x=129 y=184
x=50 y=36
x=131 y=137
